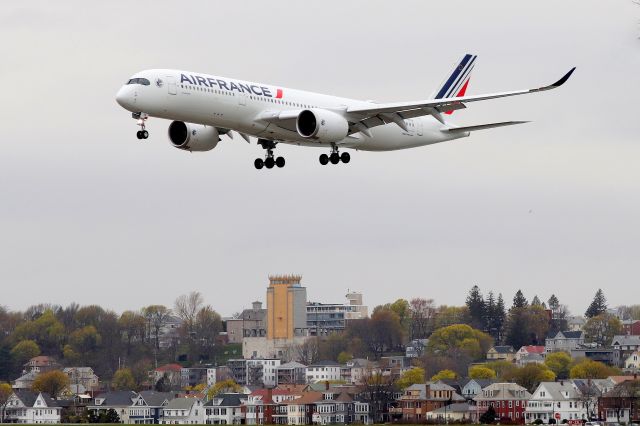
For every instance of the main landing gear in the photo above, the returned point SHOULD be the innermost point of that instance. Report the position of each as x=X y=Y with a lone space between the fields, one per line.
x=335 y=157
x=141 y=117
x=269 y=160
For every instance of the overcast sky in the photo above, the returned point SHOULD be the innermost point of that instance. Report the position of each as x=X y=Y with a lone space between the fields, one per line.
x=88 y=213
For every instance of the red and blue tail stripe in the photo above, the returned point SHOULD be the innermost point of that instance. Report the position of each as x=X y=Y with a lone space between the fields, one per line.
x=456 y=84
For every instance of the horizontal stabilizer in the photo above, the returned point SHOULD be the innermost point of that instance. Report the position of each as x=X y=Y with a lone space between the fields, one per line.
x=482 y=126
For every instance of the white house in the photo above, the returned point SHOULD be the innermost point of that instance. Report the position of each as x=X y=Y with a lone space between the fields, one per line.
x=183 y=411
x=564 y=341
x=555 y=400
x=225 y=409
x=633 y=361
x=323 y=371
x=473 y=387
x=31 y=407
x=119 y=401
x=268 y=368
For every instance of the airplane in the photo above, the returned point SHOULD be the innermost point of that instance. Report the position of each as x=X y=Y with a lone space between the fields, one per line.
x=203 y=107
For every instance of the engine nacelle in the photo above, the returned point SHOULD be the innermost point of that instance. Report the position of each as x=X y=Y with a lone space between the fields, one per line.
x=193 y=137
x=322 y=125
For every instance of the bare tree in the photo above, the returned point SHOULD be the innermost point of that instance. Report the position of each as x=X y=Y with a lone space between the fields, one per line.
x=379 y=391
x=307 y=352
x=156 y=316
x=422 y=312
x=187 y=307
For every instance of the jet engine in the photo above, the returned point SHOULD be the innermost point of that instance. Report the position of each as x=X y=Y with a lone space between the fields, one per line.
x=193 y=137
x=322 y=125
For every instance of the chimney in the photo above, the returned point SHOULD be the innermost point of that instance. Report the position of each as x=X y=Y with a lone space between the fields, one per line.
x=269 y=395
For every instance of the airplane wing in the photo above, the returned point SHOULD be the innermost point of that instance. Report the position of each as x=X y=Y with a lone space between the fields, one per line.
x=361 y=119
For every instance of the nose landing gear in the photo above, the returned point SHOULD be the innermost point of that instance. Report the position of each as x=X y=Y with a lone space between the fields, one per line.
x=335 y=157
x=141 y=117
x=269 y=160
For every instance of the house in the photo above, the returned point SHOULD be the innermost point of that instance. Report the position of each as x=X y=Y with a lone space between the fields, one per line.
x=82 y=379
x=632 y=362
x=225 y=409
x=356 y=370
x=528 y=350
x=620 y=404
x=631 y=327
x=172 y=373
x=202 y=374
x=147 y=406
x=262 y=371
x=41 y=364
x=623 y=346
x=291 y=373
x=473 y=387
x=323 y=371
x=461 y=412
x=509 y=400
x=25 y=381
x=503 y=353
x=415 y=348
x=575 y=323
x=250 y=323
x=395 y=366
x=561 y=401
x=169 y=332
x=600 y=354
x=419 y=399
x=24 y=406
x=182 y=411
x=262 y=404
x=530 y=359
x=564 y=341
x=119 y=401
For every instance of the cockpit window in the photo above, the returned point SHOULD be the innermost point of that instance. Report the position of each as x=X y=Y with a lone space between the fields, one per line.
x=142 y=81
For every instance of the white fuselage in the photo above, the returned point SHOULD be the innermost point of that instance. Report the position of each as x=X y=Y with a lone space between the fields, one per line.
x=245 y=107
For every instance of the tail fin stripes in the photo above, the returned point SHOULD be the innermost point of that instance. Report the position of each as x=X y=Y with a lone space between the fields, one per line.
x=458 y=81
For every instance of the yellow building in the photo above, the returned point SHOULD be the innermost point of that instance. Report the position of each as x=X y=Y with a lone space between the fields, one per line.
x=286 y=307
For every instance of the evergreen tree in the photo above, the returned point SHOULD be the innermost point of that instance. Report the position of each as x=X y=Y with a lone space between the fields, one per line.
x=475 y=304
x=490 y=312
x=536 y=301
x=501 y=314
x=488 y=417
x=598 y=305
x=553 y=302
x=519 y=301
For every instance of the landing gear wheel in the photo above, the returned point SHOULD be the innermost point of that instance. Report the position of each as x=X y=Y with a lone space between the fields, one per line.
x=324 y=159
x=335 y=158
x=269 y=162
x=280 y=162
x=139 y=134
x=258 y=163
x=145 y=134
x=345 y=157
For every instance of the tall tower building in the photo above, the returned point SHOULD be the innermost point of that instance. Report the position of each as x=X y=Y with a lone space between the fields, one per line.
x=286 y=307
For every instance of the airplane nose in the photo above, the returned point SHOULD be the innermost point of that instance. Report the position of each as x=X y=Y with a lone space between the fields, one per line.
x=124 y=97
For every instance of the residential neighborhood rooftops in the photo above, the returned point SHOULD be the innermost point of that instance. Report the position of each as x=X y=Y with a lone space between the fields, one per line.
x=226 y=400
x=181 y=404
x=169 y=367
x=116 y=398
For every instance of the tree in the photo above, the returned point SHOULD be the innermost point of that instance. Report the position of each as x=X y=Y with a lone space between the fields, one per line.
x=553 y=302
x=123 y=380
x=489 y=416
x=559 y=363
x=476 y=306
x=588 y=369
x=598 y=305
x=460 y=338
x=519 y=301
x=52 y=382
x=444 y=375
x=451 y=315
x=45 y=330
x=132 y=326
x=481 y=372
x=601 y=328
x=526 y=326
x=344 y=357
x=411 y=377
x=5 y=393
x=156 y=316
x=378 y=391
x=422 y=312
x=501 y=367
x=536 y=301
x=207 y=326
x=187 y=306
x=24 y=350
x=223 y=387
x=379 y=333
x=530 y=375
x=501 y=313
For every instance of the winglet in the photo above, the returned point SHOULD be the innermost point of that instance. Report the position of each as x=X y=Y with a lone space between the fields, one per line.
x=564 y=79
